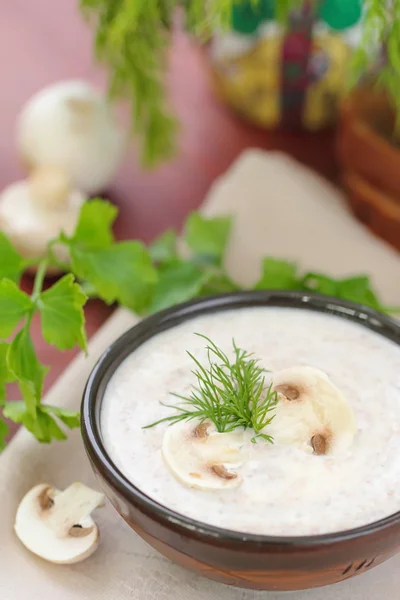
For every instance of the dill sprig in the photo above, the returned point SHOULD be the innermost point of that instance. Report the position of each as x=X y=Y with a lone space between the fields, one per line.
x=229 y=393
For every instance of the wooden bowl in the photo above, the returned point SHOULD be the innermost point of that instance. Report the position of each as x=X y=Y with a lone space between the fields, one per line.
x=379 y=211
x=366 y=121
x=240 y=559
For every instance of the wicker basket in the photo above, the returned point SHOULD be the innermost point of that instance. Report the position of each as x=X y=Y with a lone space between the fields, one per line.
x=371 y=164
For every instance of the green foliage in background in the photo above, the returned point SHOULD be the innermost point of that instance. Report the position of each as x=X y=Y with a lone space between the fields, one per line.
x=144 y=279
x=132 y=39
x=380 y=48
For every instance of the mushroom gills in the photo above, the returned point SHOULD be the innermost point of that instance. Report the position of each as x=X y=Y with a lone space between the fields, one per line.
x=201 y=458
x=56 y=525
x=312 y=413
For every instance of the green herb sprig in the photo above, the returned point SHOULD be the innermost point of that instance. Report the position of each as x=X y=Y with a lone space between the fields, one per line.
x=144 y=279
x=229 y=393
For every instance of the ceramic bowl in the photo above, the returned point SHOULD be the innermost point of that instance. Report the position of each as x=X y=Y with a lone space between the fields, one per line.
x=240 y=559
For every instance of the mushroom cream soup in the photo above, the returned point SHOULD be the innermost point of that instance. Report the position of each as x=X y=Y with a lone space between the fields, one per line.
x=334 y=463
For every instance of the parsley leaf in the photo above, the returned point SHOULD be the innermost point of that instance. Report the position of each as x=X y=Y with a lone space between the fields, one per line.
x=358 y=289
x=11 y=263
x=177 y=283
x=164 y=248
x=46 y=428
x=62 y=316
x=277 y=275
x=26 y=369
x=14 y=304
x=43 y=425
x=5 y=375
x=70 y=418
x=15 y=411
x=122 y=272
x=207 y=238
x=355 y=289
x=94 y=225
x=3 y=434
x=218 y=283
x=321 y=284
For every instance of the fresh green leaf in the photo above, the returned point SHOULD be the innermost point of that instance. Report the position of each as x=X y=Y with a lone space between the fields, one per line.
x=42 y=425
x=358 y=289
x=315 y=282
x=70 y=418
x=277 y=275
x=207 y=238
x=94 y=228
x=4 y=431
x=178 y=283
x=3 y=434
x=164 y=248
x=26 y=369
x=11 y=262
x=218 y=283
x=15 y=411
x=123 y=272
x=355 y=289
x=50 y=426
x=62 y=316
x=5 y=375
x=14 y=305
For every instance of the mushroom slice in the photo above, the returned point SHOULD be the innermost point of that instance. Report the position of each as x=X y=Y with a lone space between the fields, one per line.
x=311 y=413
x=201 y=458
x=57 y=525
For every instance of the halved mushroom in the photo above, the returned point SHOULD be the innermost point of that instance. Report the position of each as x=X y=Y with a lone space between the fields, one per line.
x=57 y=525
x=200 y=457
x=311 y=413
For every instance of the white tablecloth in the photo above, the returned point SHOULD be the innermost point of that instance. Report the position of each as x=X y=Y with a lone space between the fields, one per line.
x=281 y=209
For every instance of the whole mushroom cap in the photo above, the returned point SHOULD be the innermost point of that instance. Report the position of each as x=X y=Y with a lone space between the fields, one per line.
x=71 y=125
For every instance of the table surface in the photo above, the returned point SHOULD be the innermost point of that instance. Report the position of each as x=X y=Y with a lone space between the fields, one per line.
x=41 y=44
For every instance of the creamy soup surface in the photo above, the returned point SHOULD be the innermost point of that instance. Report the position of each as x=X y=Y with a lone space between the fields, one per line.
x=285 y=491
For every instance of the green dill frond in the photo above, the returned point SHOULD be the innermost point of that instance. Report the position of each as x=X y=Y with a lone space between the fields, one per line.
x=229 y=393
x=132 y=39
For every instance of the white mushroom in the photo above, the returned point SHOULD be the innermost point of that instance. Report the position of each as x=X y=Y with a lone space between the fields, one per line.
x=311 y=413
x=36 y=210
x=72 y=126
x=57 y=525
x=202 y=458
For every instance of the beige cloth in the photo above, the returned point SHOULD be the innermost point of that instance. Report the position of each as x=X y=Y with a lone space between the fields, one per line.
x=282 y=209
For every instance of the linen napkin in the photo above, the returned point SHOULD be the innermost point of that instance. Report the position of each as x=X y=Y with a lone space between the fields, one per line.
x=281 y=209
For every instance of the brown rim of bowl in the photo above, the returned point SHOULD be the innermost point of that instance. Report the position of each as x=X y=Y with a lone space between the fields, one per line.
x=171 y=317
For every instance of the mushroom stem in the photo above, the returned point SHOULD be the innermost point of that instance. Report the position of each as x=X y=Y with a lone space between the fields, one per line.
x=49 y=187
x=46 y=500
x=71 y=507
